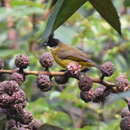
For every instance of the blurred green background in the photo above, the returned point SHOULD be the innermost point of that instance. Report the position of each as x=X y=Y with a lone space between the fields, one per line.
x=21 y=21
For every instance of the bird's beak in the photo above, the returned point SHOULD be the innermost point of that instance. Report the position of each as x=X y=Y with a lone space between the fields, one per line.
x=45 y=44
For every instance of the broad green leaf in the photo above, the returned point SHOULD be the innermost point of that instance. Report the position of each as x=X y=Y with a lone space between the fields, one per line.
x=51 y=21
x=65 y=8
x=68 y=9
x=62 y=11
x=108 y=12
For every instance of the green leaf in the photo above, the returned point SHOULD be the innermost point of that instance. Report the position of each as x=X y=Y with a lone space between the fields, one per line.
x=68 y=9
x=51 y=21
x=108 y=12
x=65 y=8
x=127 y=3
x=62 y=11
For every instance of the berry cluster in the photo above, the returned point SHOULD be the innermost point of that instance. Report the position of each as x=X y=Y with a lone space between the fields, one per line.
x=100 y=93
x=95 y=95
x=44 y=82
x=13 y=100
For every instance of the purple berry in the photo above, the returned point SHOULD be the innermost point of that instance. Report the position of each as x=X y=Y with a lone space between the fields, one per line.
x=19 y=96
x=46 y=60
x=25 y=117
x=85 y=83
x=74 y=69
x=101 y=93
x=18 y=107
x=43 y=82
x=35 y=124
x=62 y=79
x=107 y=69
x=125 y=123
x=22 y=61
x=125 y=112
x=87 y=96
x=11 y=124
x=5 y=100
x=19 y=78
x=9 y=87
x=122 y=83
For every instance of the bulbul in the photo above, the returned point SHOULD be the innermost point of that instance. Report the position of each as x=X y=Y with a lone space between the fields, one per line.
x=64 y=54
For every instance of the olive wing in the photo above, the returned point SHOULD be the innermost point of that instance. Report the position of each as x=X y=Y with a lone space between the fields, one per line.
x=73 y=54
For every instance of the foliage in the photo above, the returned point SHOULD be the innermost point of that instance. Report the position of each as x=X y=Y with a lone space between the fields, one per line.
x=85 y=30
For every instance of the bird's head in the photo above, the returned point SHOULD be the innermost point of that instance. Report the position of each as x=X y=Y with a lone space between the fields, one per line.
x=52 y=42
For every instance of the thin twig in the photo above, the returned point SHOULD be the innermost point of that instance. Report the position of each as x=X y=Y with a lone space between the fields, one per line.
x=28 y=72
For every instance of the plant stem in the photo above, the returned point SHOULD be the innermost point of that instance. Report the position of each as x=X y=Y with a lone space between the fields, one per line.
x=29 y=72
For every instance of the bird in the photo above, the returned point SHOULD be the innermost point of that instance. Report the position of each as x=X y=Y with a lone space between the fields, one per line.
x=65 y=55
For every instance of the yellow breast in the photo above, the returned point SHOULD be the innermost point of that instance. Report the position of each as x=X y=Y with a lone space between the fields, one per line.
x=65 y=62
x=62 y=62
